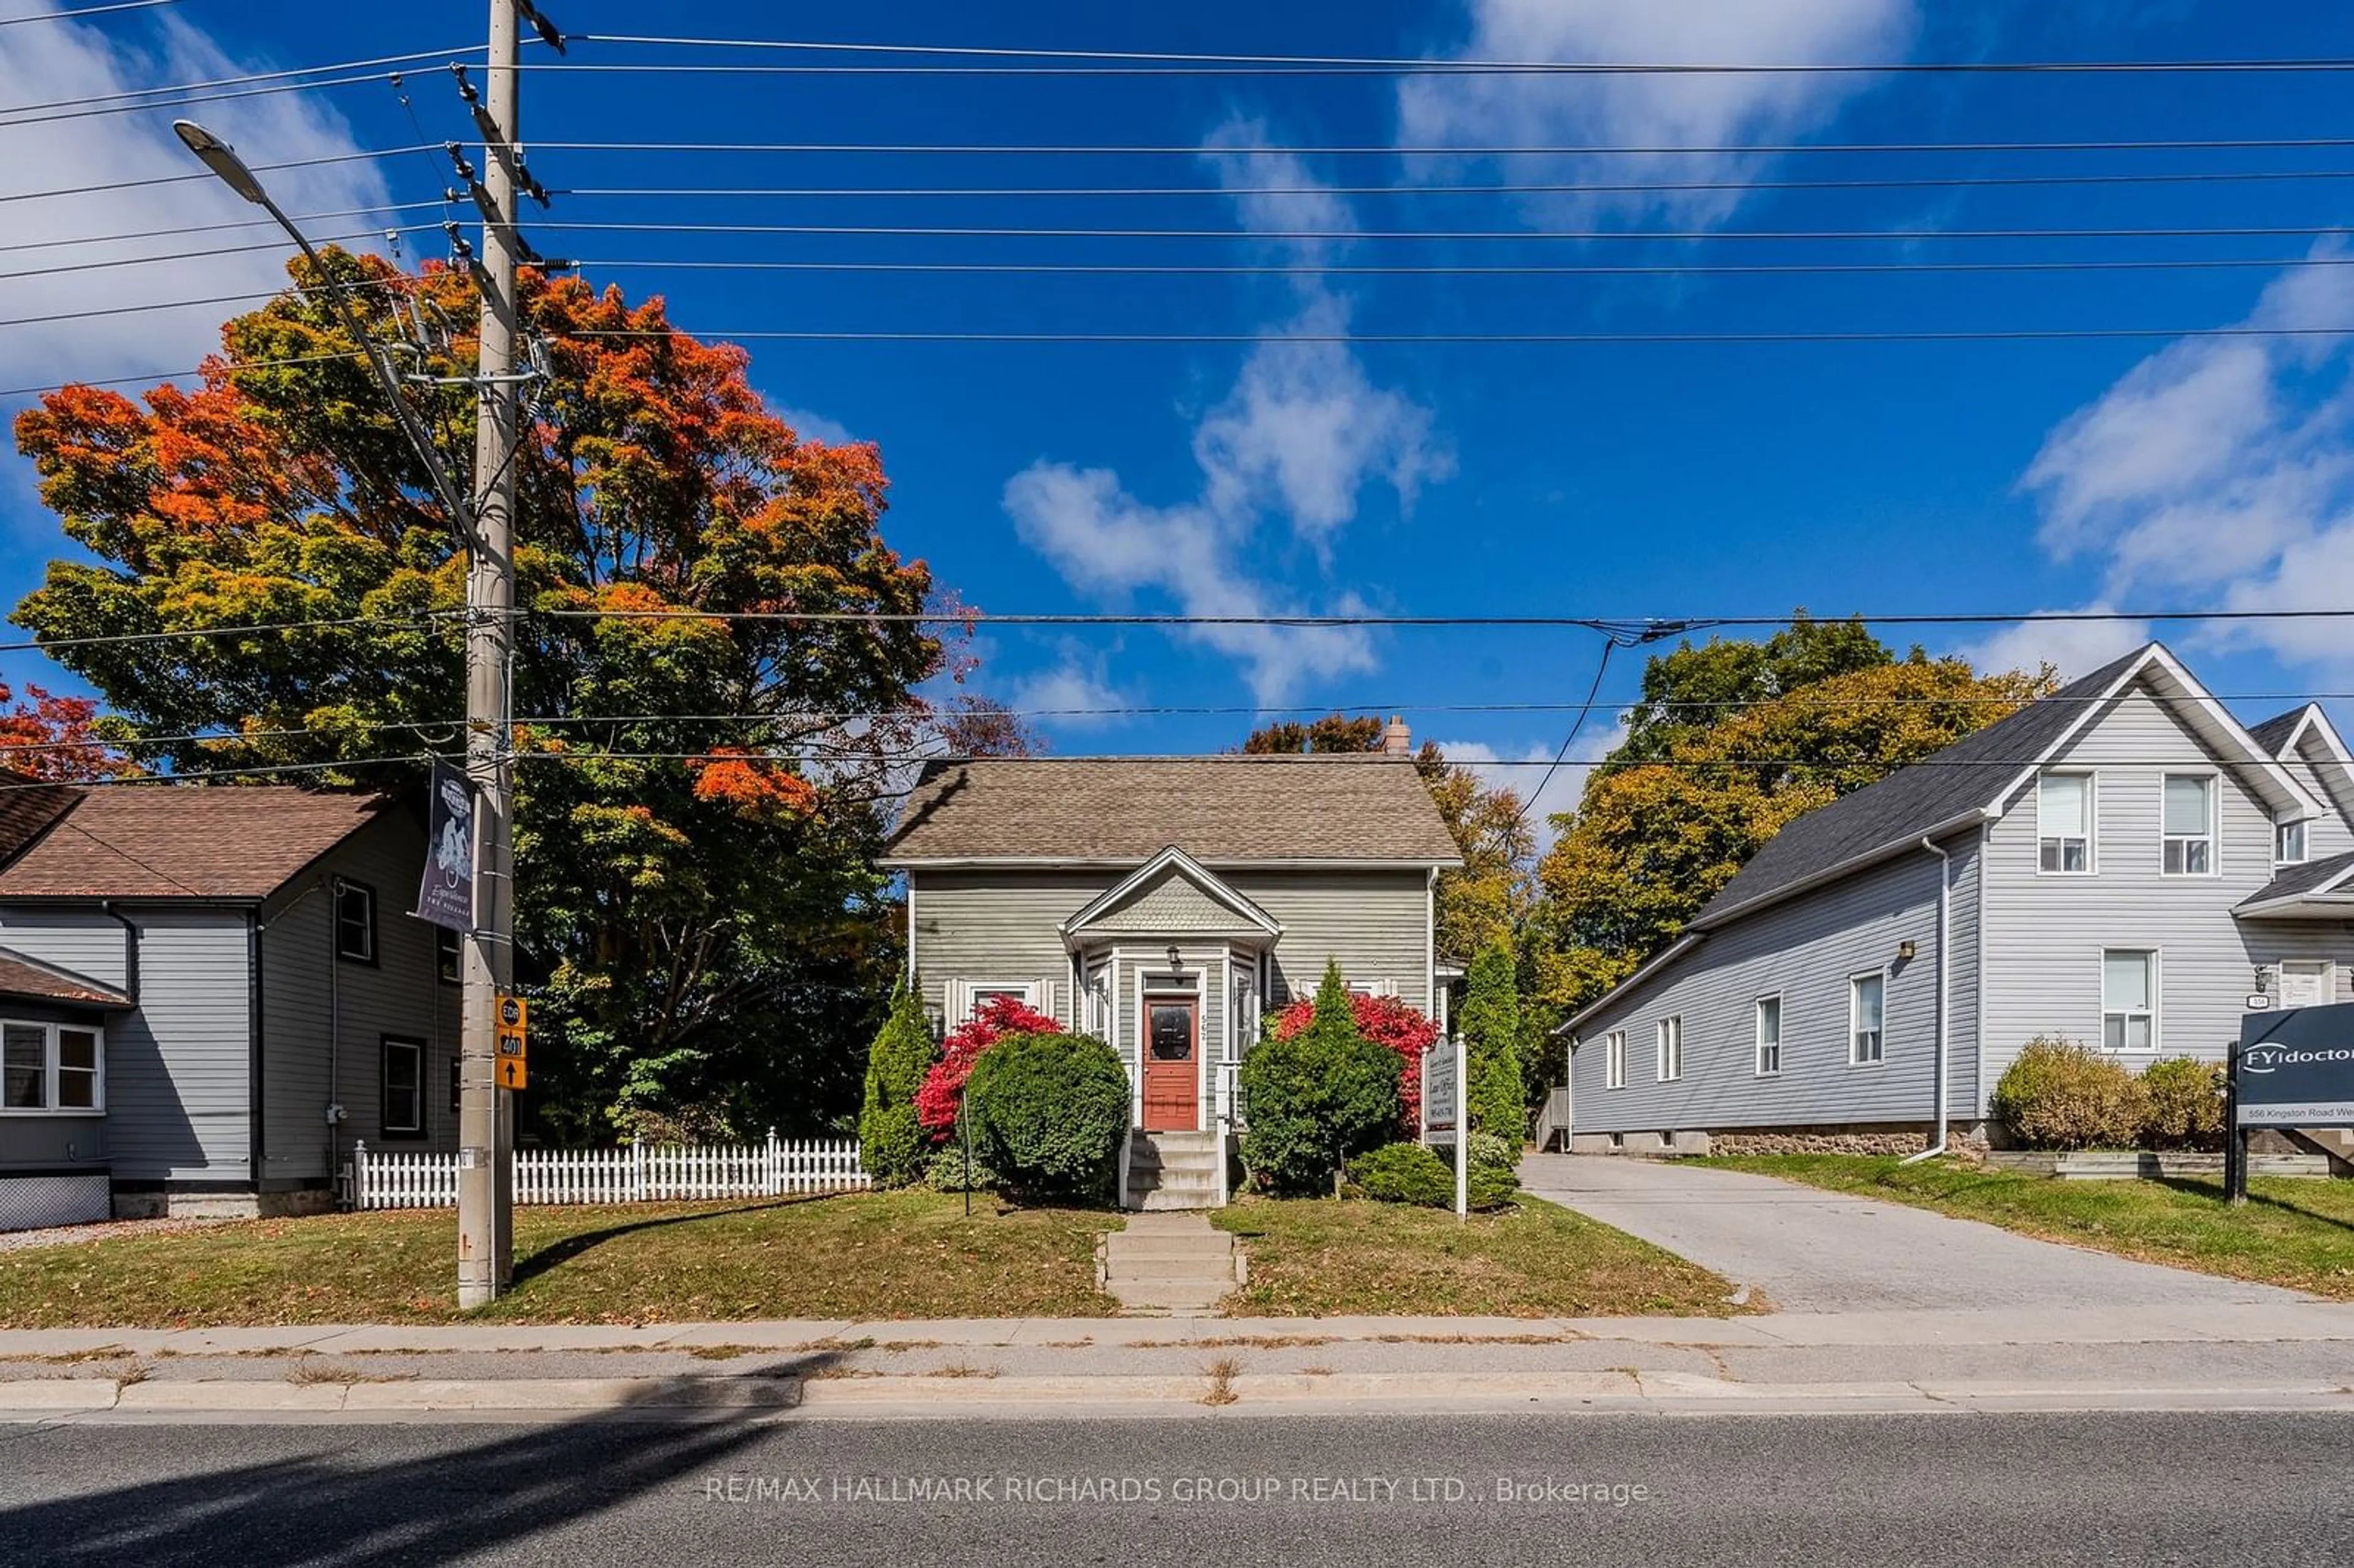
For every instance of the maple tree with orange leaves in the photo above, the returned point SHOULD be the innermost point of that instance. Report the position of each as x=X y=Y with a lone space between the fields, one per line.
x=700 y=794
x=55 y=738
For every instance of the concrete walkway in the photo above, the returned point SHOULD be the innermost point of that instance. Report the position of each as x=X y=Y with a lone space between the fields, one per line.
x=1813 y=1251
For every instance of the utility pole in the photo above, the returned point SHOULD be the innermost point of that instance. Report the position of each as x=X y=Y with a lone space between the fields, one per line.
x=485 y=1111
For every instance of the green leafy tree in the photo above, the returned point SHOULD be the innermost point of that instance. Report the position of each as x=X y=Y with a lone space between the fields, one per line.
x=1317 y=1097
x=891 y=1146
x=1657 y=836
x=1692 y=688
x=1490 y=1026
x=698 y=912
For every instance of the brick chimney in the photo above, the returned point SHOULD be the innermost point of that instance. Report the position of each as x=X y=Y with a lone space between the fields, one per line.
x=1396 y=740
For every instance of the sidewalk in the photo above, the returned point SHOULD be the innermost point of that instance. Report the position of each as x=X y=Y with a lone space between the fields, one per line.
x=2294 y=1355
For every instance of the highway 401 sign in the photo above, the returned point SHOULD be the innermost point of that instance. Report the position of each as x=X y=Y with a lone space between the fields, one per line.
x=2296 y=1067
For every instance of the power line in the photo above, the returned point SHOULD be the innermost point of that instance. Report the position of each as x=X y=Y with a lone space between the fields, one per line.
x=1556 y=339
x=1174 y=66
x=2185 y=177
x=218 y=228
x=1908 y=236
x=76 y=16
x=106 y=638
x=185 y=304
x=1386 y=64
x=148 y=378
x=1646 y=626
x=1403 y=270
x=1444 y=150
x=245 y=79
x=64 y=267
x=187 y=179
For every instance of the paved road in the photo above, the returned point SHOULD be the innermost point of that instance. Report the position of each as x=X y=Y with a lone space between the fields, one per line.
x=2043 y=1489
x=1812 y=1251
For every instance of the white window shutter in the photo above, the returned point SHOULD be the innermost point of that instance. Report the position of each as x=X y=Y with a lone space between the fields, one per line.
x=1046 y=1001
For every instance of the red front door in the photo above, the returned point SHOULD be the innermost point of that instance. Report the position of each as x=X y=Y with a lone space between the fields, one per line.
x=1172 y=1075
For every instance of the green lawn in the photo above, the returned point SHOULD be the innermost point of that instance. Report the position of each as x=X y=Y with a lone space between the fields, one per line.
x=877 y=1255
x=2299 y=1233
x=1327 y=1256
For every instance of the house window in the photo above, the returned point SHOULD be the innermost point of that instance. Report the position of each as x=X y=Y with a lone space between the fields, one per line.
x=51 y=1067
x=356 y=922
x=977 y=994
x=457 y=1084
x=1614 y=1059
x=1867 y=1016
x=1671 y=1049
x=448 y=956
x=404 y=1090
x=2063 y=823
x=1770 y=1036
x=2190 y=825
x=2129 y=999
x=2288 y=844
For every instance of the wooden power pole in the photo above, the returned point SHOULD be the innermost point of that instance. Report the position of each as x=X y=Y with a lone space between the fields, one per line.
x=486 y=1112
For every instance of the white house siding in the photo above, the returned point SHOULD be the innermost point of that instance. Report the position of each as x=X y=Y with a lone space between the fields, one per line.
x=1375 y=923
x=1806 y=950
x=1004 y=925
x=2045 y=934
x=2329 y=834
x=317 y=1009
x=89 y=944
x=180 y=1070
x=80 y=938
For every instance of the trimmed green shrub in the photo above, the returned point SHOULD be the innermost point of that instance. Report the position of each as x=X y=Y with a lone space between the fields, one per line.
x=946 y=1171
x=1485 y=1187
x=2060 y=1095
x=1048 y=1112
x=1314 y=1100
x=1490 y=1026
x=2182 y=1104
x=1404 y=1173
x=1490 y=1152
x=890 y=1143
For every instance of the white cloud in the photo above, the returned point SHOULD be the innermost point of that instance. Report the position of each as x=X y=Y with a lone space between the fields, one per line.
x=1066 y=694
x=57 y=61
x=1651 y=110
x=811 y=425
x=1522 y=770
x=1296 y=441
x=2072 y=647
x=2218 y=473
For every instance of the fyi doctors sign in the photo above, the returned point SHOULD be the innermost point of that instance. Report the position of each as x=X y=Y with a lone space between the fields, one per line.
x=2294 y=1067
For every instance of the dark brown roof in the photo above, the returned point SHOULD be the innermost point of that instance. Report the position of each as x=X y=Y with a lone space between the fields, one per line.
x=21 y=976
x=26 y=808
x=1219 y=810
x=183 y=841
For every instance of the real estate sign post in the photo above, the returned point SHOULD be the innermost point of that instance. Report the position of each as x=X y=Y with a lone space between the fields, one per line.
x=1443 y=1111
x=2290 y=1067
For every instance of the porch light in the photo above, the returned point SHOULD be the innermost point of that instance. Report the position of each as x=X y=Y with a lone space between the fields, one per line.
x=1904 y=951
x=1176 y=958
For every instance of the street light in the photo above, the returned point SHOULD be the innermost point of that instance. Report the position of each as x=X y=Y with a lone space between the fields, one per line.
x=222 y=160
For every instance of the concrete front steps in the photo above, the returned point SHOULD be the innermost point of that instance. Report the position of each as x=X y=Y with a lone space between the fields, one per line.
x=1169 y=1265
x=1171 y=1170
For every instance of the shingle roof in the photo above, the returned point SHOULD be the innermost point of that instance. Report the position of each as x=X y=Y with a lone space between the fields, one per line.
x=1216 y=809
x=25 y=809
x=183 y=841
x=23 y=976
x=2274 y=732
x=1910 y=802
x=2313 y=875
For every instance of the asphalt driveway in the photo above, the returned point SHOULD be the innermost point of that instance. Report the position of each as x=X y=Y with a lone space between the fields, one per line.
x=1812 y=1251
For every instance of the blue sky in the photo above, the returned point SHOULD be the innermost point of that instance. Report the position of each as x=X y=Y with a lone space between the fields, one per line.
x=1624 y=480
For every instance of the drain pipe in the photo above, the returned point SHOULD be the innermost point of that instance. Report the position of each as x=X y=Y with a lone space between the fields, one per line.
x=1944 y=998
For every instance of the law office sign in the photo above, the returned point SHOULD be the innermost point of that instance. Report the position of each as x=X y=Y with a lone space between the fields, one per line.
x=2296 y=1067
x=446 y=893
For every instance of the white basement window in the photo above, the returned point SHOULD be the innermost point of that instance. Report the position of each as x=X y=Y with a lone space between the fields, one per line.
x=51 y=1069
x=2063 y=823
x=2129 y=999
x=2190 y=825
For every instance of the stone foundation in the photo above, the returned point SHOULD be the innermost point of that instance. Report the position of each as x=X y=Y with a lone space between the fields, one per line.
x=1821 y=1140
x=167 y=1203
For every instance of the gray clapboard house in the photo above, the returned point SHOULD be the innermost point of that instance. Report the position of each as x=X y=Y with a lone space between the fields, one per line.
x=1162 y=903
x=207 y=994
x=2121 y=864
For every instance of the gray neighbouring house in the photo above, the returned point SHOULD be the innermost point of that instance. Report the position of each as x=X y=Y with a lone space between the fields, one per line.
x=1161 y=903
x=2121 y=864
x=207 y=993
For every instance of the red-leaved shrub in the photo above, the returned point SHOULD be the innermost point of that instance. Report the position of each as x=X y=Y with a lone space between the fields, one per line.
x=1386 y=1021
x=936 y=1102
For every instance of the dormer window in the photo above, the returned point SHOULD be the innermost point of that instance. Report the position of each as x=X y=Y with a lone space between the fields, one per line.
x=2288 y=844
x=2190 y=825
x=2063 y=823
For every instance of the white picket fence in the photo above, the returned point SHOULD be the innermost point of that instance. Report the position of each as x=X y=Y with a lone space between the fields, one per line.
x=415 y=1179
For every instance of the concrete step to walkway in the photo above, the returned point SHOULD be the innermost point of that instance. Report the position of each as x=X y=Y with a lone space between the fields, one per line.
x=1168 y=1262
